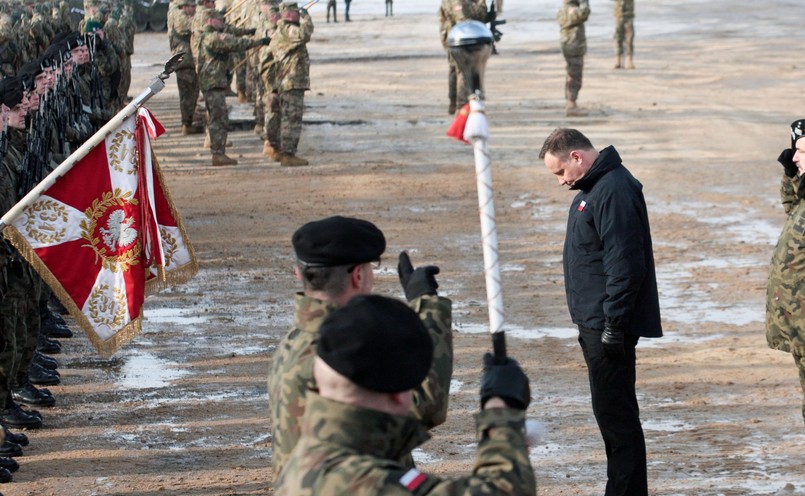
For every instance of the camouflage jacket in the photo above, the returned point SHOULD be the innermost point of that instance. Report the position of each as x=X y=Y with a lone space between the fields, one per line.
x=785 y=315
x=10 y=169
x=214 y=59
x=451 y=12
x=571 y=28
x=180 y=28
x=289 y=47
x=349 y=450
x=291 y=371
x=624 y=9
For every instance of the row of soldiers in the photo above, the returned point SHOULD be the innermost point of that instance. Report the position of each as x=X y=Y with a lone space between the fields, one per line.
x=274 y=39
x=49 y=106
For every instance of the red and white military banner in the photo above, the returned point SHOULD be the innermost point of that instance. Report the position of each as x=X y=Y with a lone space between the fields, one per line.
x=106 y=234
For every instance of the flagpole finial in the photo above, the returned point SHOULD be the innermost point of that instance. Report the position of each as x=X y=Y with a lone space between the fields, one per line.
x=171 y=65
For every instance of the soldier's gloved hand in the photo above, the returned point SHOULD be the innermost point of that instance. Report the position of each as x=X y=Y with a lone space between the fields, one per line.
x=416 y=282
x=786 y=158
x=251 y=31
x=302 y=11
x=265 y=41
x=506 y=381
x=612 y=339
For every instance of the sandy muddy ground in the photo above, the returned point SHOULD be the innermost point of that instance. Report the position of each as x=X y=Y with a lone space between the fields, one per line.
x=182 y=409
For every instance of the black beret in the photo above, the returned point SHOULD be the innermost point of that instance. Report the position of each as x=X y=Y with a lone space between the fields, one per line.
x=378 y=343
x=11 y=91
x=338 y=241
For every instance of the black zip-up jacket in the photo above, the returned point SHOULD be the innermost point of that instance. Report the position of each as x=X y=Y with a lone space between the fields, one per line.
x=608 y=258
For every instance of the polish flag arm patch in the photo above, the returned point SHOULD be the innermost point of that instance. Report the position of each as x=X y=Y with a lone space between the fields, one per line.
x=412 y=479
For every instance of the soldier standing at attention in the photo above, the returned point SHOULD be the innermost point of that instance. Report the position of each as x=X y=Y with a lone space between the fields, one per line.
x=289 y=49
x=372 y=355
x=346 y=9
x=624 y=33
x=571 y=17
x=784 y=316
x=272 y=115
x=335 y=257
x=451 y=12
x=215 y=48
x=331 y=5
x=180 y=27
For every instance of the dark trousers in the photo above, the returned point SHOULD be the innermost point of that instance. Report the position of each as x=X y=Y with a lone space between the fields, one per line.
x=612 y=385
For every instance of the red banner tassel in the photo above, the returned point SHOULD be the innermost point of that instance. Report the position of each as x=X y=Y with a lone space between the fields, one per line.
x=456 y=129
x=148 y=223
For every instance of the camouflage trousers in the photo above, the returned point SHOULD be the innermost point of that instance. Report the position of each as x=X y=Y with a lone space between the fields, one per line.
x=240 y=72
x=187 y=82
x=19 y=327
x=574 y=66
x=217 y=119
x=456 y=87
x=272 y=119
x=292 y=106
x=624 y=36
x=800 y=361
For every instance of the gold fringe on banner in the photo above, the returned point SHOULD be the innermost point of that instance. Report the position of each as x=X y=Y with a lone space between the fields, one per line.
x=105 y=348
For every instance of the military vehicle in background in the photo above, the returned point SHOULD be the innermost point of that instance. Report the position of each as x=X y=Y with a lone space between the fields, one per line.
x=149 y=15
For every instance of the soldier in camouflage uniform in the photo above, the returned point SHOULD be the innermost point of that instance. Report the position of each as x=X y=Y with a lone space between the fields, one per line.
x=785 y=319
x=372 y=355
x=215 y=48
x=272 y=116
x=289 y=49
x=624 y=33
x=180 y=28
x=335 y=258
x=451 y=12
x=8 y=46
x=571 y=17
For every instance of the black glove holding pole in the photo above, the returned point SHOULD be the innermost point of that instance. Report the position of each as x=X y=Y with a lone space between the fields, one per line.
x=416 y=282
x=612 y=339
x=505 y=380
x=786 y=158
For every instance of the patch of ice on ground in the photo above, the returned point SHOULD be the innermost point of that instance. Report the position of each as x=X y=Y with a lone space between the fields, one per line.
x=143 y=370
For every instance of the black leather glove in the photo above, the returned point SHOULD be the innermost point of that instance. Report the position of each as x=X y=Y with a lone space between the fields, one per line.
x=506 y=381
x=302 y=11
x=786 y=158
x=251 y=31
x=416 y=282
x=265 y=41
x=612 y=339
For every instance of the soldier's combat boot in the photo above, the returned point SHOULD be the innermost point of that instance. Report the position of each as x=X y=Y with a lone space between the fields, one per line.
x=242 y=97
x=45 y=361
x=618 y=62
x=270 y=151
x=29 y=395
x=9 y=464
x=5 y=476
x=451 y=109
x=572 y=110
x=289 y=160
x=220 y=159
x=48 y=346
x=14 y=416
x=188 y=129
x=41 y=376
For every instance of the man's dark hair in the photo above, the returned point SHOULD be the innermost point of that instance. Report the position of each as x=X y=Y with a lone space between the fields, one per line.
x=564 y=140
x=331 y=280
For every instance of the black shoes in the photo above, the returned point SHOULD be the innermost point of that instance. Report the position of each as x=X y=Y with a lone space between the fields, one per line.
x=16 y=437
x=43 y=377
x=30 y=395
x=5 y=476
x=8 y=449
x=48 y=346
x=9 y=464
x=14 y=416
x=45 y=361
x=53 y=325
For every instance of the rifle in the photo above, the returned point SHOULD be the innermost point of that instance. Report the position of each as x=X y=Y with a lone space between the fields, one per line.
x=494 y=22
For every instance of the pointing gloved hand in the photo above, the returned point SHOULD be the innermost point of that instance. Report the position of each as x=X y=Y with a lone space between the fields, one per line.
x=612 y=339
x=786 y=158
x=506 y=381
x=416 y=282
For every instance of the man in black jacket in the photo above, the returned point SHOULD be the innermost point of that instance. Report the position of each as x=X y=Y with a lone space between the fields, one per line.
x=611 y=292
